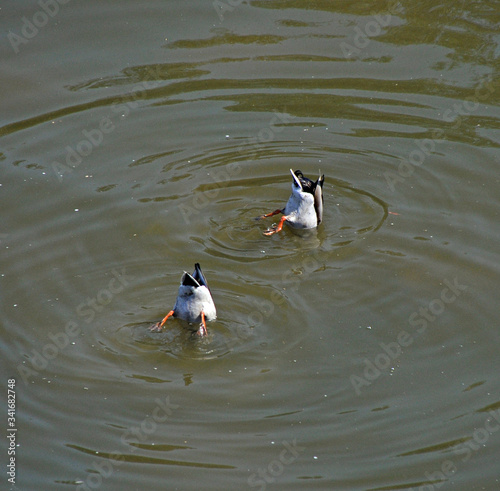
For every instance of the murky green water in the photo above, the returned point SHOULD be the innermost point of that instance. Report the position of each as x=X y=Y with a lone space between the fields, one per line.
x=138 y=138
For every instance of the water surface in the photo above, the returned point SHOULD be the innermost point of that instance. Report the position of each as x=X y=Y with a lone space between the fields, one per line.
x=139 y=138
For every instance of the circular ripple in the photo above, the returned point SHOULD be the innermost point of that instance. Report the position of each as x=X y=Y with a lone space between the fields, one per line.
x=239 y=189
x=216 y=219
x=244 y=323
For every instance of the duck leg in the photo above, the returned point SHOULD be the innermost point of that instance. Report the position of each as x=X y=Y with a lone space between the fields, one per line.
x=159 y=325
x=202 y=331
x=267 y=215
x=278 y=227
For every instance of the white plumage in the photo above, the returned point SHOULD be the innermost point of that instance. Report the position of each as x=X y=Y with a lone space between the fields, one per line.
x=194 y=302
x=194 y=297
x=304 y=208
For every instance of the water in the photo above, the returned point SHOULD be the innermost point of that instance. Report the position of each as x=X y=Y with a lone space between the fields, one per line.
x=139 y=139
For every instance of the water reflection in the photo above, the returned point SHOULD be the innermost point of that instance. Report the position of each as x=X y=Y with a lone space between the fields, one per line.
x=167 y=148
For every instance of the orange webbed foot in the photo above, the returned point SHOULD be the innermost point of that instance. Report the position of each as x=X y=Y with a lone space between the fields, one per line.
x=277 y=228
x=158 y=326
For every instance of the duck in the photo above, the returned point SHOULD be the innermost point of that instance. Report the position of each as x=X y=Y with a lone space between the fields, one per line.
x=194 y=302
x=304 y=209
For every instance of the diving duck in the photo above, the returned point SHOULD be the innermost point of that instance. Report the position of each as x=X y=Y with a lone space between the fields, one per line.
x=304 y=209
x=194 y=302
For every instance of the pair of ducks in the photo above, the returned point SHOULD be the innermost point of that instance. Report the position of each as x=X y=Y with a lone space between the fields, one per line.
x=303 y=210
